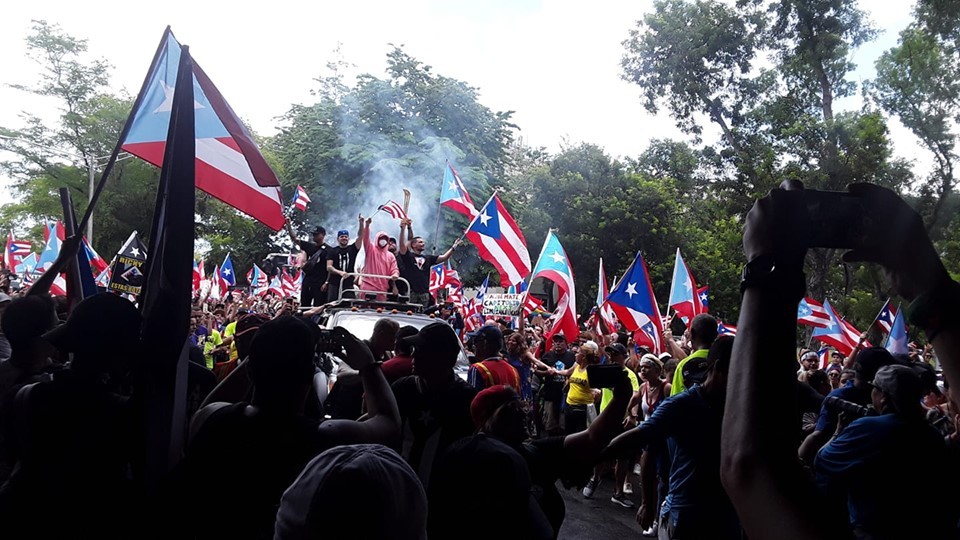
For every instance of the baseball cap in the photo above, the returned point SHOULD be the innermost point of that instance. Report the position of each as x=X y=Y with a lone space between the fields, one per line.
x=387 y=484
x=615 y=348
x=343 y=232
x=319 y=230
x=590 y=346
x=492 y=334
x=435 y=339
x=488 y=400
x=695 y=371
x=392 y=239
x=902 y=384
x=100 y=322
x=664 y=357
x=870 y=360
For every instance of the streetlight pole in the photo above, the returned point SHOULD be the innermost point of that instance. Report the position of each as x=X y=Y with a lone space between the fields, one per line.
x=91 y=177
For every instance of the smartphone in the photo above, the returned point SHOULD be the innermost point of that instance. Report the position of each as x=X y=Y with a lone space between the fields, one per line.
x=604 y=376
x=837 y=219
x=328 y=342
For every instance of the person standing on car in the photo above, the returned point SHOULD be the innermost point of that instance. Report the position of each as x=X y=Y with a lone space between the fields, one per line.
x=341 y=262
x=416 y=264
x=314 y=290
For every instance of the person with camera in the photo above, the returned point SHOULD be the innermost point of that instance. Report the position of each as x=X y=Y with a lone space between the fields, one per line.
x=760 y=471
x=314 y=289
x=242 y=456
x=868 y=361
x=859 y=466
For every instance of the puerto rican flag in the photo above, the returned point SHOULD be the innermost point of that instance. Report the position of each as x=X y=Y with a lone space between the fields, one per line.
x=455 y=295
x=704 y=294
x=97 y=264
x=197 y=277
x=257 y=279
x=554 y=265
x=684 y=297
x=27 y=265
x=897 y=338
x=454 y=196
x=276 y=286
x=103 y=278
x=500 y=242
x=473 y=310
x=229 y=165
x=726 y=330
x=218 y=287
x=836 y=333
x=812 y=313
x=16 y=251
x=226 y=271
x=443 y=276
x=300 y=199
x=886 y=317
x=636 y=307
x=291 y=284
x=532 y=304
x=394 y=209
x=604 y=311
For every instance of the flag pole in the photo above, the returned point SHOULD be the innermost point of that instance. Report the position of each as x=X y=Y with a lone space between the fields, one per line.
x=436 y=230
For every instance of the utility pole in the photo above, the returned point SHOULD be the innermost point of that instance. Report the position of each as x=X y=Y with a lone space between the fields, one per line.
x=91 y=177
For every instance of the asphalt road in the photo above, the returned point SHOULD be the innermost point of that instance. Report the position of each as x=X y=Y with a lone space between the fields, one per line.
x=598 y=518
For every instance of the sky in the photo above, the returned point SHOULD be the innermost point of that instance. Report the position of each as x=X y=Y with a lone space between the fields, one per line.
x=554 y=62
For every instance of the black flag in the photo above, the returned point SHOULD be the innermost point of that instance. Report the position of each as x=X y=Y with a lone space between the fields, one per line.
x=167 y=290
x=129 y=266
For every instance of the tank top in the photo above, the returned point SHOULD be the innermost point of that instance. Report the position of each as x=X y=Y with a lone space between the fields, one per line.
x=646 y=405
x=580 y=392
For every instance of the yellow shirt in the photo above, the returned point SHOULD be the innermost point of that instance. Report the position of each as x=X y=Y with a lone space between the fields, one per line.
x=607 y=393
x=228 y=331
x=580 y=392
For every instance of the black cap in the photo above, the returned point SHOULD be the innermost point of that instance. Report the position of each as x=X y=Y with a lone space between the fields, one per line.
x=870 y=360
x=615 y=348
x=436 y=339
x=99 y=322
x=319 y=230
x=490 y=334
x=392 y=239
x=695 y=371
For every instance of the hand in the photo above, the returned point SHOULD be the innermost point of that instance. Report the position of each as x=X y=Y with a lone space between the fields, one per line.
x=324 y=287
x=898 y=241
x=457 y=243
x=360 y=218
x=369 y=219
x=777 y=226
x=645 y=517
x=358 y=355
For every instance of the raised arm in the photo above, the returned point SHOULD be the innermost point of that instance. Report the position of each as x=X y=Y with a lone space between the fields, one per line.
x=448 y=253
x=359 y=241
x=293 y=237
x=382 y=420
x=406 y=226
x=759 y=467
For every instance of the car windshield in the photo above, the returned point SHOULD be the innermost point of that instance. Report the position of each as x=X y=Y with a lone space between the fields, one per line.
x=361 y=325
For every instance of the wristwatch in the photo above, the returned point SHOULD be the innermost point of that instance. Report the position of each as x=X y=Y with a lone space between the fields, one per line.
x=763 y=272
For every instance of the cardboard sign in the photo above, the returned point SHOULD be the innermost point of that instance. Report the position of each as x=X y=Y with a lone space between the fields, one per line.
x=126 y=272
x=502 y=304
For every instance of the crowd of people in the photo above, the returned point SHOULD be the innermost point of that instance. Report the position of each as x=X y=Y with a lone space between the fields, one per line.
x=712 y=437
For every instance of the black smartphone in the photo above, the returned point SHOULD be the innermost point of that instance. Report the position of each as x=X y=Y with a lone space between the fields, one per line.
x=837 y=219
x=328 y=342
x=604 y=376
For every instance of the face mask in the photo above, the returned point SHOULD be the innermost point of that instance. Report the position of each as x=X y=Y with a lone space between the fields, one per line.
x=382 y=243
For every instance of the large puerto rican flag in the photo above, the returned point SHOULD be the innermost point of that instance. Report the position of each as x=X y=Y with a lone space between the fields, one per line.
x=500 y=242
x=16 y=251
x=636 y=307
x=229 y=165
x=454 y=196
x=554 y=265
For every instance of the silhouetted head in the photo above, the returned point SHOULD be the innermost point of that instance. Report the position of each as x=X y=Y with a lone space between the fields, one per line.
x=703 y=331
x=281 y=363
x=24 y=323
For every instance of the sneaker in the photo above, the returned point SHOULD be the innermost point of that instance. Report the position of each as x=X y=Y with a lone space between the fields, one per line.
x=590 y=488
x=652 y=531
x=622 y=500
x=628 y=488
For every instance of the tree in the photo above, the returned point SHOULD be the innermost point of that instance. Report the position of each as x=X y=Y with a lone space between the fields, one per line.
x=86 y=133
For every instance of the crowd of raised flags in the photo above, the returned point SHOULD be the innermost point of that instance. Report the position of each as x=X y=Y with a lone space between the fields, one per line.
x=229 y=166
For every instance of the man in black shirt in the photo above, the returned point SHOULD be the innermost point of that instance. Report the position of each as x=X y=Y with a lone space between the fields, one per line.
x=416 y=264
x=314 y=290
x=341 y=260
x=552 y=389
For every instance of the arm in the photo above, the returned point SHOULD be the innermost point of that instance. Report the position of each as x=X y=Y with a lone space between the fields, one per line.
x=382 y=424
x=405 y=239
x=359 y=241
x=448 y=253
x=675 y=350
x=585 y=447
x=759 y=468
x=293 y=237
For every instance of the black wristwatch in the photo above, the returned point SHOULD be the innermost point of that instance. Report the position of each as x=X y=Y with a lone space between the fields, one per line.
x=763 y=272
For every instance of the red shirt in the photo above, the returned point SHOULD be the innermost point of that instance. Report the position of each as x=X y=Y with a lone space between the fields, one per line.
x=491 y=372
x=397 y=367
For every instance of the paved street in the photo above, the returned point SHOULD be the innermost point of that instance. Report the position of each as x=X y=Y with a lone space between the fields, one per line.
x=598 y=517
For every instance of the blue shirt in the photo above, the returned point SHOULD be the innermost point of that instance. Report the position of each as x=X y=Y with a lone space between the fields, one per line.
x=523 y=369
x=878 y=465
x=827 y=422
x=692 y=428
